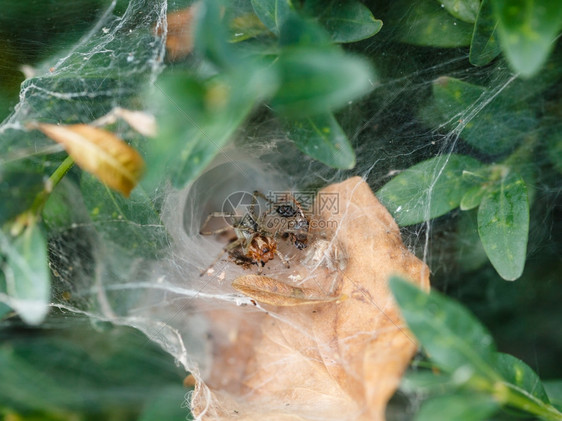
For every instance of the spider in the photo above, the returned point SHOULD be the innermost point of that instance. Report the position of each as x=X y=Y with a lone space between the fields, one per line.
x=255 y=243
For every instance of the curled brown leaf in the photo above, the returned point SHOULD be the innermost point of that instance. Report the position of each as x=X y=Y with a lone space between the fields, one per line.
x=271 y=291
x=99 y=152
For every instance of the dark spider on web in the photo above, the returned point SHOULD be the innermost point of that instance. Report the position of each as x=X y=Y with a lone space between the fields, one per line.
x=255 y=242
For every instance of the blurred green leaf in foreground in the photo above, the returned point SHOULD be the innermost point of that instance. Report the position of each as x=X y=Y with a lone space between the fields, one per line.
x=481 y=380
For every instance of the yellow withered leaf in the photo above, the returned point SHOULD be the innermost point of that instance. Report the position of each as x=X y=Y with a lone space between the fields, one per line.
x=271 y=291
x=99 y=152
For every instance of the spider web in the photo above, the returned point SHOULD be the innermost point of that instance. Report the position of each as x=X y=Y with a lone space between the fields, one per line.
x=161 y=292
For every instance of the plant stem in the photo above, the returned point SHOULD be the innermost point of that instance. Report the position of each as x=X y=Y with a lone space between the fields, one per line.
x=61 y=171
x=520 y=399
x=54 y=179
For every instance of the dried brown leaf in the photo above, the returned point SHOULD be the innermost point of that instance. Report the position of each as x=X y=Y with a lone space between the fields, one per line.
x=329 y=361
x=271 y=291
x=99 y=152
x=179 y=39
x=140 y=121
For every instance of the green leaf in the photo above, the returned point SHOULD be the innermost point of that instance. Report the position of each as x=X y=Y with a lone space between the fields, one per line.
x=26 y=273
x=122 y=69
x=554 y=391
x=79 y=369
x=299 y=32
x=168 y=405
x=245 y=26
x=425 y=23
x=484 y=46
x=20 y=183
x=527 y=29
x=516 y=372
x=322 y=138
x=426 y=382
x=272 y=13
x=348 y=21
x=554 y=148
x=470 y=253
x=462 y=406
x=197 y=118
x=58 y=212
x=494 y=129
x=458 y=344
x=503 y=225
x=472 y=197
x=428 y=189
x=452 y=337
x=211 y=35
x=4 y=308
x=131 y=223
x=465 y=10
x=318 y=81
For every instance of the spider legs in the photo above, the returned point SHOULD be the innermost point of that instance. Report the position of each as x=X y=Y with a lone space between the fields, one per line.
x=217 y=215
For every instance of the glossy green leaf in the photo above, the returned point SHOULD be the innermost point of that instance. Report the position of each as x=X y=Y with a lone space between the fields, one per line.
x=472 y=197
x=461 y=406
x=272 y=13
x=428 y=189
x=197 y=118
x=322 y=138
x=503 y=225
x=484 y=46
x=554 y=391
x=348 y=21
x=314 y=81
x=527 y=29
x=516 y=372
x=496 y=128
x=465 y=10
x=425 y=23
x=26 y=273
x=452 y=336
